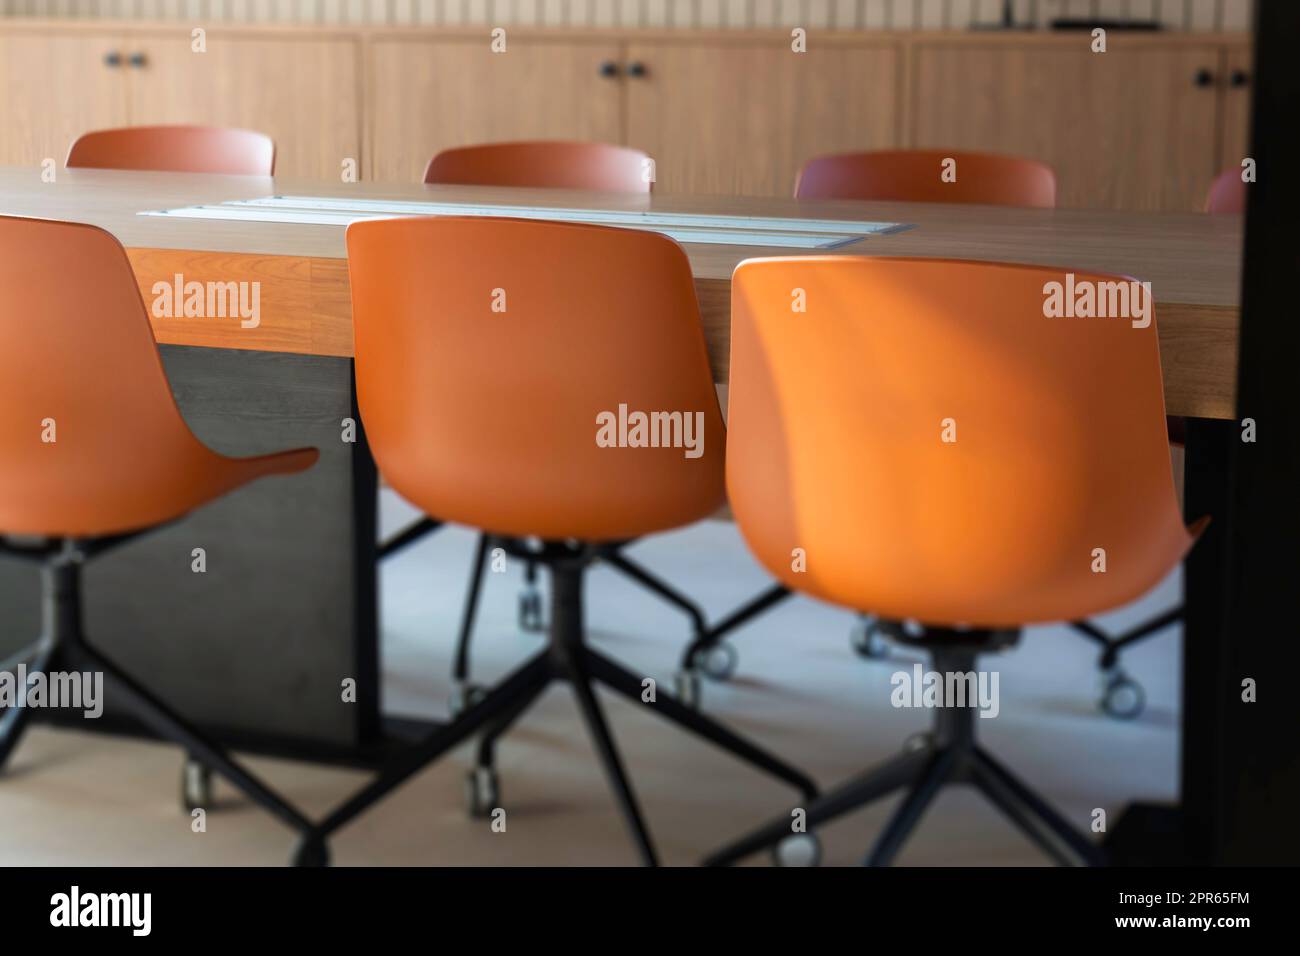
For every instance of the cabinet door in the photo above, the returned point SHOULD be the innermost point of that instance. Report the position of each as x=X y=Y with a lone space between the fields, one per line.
x=427 y=95
x=1238 y=77
x=301 y=91
x=53 y=88
x=1132 y=128
x=740 y=117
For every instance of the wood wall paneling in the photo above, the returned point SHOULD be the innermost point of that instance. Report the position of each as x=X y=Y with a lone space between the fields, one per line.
x=428 y=95
x=303 y=91
x=1125 y=129
x=1235 y=115
x=1197 y=15
x=721 y=114
x=53 y=87
x=740 y=118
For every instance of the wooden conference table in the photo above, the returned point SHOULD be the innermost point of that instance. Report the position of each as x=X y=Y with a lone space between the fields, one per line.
x=1191 y=260
x=257 y=647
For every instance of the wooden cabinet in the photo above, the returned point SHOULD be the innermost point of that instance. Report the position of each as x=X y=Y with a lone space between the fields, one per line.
x=1133 y=128
x=1237 y=78
x=741 y=117
x=427 y=95
x=303 y=91
x=1144 y=126
x=53 y=87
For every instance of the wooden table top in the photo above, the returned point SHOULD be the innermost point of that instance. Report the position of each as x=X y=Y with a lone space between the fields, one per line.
x=1191 y=260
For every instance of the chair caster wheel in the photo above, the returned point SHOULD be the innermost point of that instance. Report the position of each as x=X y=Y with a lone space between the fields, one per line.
x=717 y=661
x=482 y=792
x=530 y=610
x=798 y=849
x=311 y=850
x=464 y=697
x=687 y=685
x=1122 y=697
x=196 y=786
x=868 y=639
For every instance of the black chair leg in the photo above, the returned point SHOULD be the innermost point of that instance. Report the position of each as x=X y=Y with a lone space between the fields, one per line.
x=742 y=615
x=14 y=721
x=627 y=684
x=704 y=638
x=566 y=658
x=951 y=755
x=1033 y=815
x=1122 y=696
x=171 y=726
x=860 y=791
x=658 y=586
x=460 y=670
x=613 y=766
x=487 y=743
x=936 y=773
x=1019 y=815
x=524 y=681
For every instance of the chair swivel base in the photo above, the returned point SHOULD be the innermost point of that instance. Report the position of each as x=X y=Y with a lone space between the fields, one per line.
x=566 y=658
x=63 y=648
x=947 y=755
x=708 y=653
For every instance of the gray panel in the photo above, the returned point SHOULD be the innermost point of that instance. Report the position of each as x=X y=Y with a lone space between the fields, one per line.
x=260 y=642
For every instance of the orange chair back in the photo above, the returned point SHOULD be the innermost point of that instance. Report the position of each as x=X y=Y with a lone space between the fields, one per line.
x=916 y=175
x=1227 y=193
x=176 y=149
x=91 y=440
x=543 y=165
x=490 y=351
x=939 y=449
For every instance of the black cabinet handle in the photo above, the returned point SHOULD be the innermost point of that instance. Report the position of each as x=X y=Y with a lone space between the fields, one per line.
x=137 y=60
x=636 y=68
x=1203 y=77
x=112 y=59
x=609 y=68
x=1239 y=78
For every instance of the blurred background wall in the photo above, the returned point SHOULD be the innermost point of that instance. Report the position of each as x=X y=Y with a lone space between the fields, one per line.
x=1199 y=15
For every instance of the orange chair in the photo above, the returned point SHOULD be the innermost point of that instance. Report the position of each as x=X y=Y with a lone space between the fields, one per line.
x=546 y=164
x=515 y=436
x=913 y=176
x=176 y=149
x=94 y=453
x=941 y=453
x=1227 y=193
x=586 y=166
x=916 y=175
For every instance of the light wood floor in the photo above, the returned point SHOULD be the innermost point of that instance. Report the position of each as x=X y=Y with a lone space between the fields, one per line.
x=77 y=798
